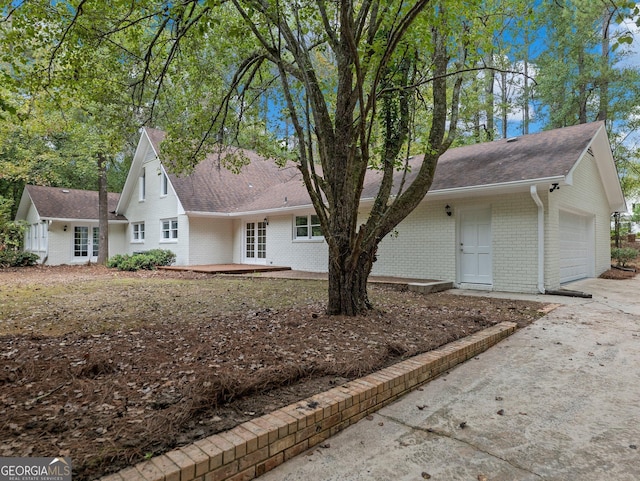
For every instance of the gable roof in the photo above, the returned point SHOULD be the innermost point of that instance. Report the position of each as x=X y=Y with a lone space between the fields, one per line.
x=212 y=188
x=507 y=164
x=55 y=203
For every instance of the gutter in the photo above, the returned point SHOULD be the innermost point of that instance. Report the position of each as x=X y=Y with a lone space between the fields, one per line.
x=536 y=199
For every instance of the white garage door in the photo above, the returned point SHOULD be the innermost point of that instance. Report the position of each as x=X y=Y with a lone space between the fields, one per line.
x=575 y=247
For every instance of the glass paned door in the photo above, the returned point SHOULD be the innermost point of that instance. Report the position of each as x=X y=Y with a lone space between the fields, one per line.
x=86 y=242
x=96 y=241
x=256 y=242
x=262 y=240
x=81 y=241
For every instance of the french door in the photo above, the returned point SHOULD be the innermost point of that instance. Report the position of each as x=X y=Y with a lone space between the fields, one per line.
x=255 y=242
x=86 y=242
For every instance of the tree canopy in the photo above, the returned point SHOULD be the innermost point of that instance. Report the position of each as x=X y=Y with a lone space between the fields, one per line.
x=339 y=88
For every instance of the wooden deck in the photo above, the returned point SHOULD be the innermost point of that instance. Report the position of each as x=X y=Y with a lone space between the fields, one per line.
x=286 y=273
x=228 y=268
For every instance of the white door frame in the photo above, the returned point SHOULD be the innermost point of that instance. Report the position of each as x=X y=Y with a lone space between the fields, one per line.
x=91 y=255
x=485 y=280
x=254 y=244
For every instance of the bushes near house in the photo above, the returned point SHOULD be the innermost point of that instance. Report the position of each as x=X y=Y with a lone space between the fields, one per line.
x=11 y=258
x=623 y=255
x=148 y=260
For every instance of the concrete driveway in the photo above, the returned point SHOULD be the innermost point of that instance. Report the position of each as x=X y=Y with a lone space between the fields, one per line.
x=558 y=400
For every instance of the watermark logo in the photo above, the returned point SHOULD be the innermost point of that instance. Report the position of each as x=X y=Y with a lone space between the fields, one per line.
x=35 y=469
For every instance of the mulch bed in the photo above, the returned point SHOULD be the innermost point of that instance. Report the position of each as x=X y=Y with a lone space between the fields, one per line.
x=110 y=399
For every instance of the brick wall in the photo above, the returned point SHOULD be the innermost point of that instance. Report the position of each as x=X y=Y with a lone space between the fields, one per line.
x=210 y=241
x=423 y=246
x=152 y=210
x=587 y=197
x=259 y=445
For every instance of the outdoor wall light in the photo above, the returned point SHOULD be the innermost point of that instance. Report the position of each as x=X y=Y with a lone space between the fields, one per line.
x=266 y=221
x=447 y=209
x=65 y=228
x=554 y=186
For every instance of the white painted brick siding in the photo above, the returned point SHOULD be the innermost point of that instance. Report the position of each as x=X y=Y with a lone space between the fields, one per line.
x=282 y=249
x=514 y=229
x=585 y=196
x=211 y=241
x=152 y=211
x=426 y=244
x=423 y=246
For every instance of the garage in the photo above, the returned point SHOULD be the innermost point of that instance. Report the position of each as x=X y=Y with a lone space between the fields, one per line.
x=576 y=247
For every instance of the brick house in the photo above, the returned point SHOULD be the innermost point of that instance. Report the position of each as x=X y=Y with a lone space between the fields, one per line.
x=523 y=214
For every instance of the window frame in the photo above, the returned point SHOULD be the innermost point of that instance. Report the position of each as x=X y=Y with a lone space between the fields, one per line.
x=171 y=230
x=142 y=185
x=164 y=184
x=137 y=232
x=312 y=223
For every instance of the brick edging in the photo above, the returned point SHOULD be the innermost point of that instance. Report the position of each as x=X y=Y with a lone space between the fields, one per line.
x=257 y=446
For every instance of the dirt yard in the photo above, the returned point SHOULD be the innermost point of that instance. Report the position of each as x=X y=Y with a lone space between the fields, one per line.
x=111 y=368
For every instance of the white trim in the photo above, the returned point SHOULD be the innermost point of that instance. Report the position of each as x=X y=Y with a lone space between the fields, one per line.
x=170 y=230
x=256 y=248
x=538 y=202
x=139 y=240
x=309 y=226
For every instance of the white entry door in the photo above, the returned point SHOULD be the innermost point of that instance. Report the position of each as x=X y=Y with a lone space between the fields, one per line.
x=255 y=242
x=474 y=246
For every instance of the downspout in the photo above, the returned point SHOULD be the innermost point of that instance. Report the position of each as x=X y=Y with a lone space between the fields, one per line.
x=536 y=199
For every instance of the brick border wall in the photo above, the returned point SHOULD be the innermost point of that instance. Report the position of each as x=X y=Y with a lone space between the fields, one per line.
x=257 y=446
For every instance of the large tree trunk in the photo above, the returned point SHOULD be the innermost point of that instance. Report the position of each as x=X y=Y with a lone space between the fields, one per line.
x=103 y=211
x=348 y=286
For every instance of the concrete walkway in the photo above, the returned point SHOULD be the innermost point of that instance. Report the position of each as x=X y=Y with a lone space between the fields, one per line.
x=558 y=400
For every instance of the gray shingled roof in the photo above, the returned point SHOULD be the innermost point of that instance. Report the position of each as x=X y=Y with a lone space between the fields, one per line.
x=546 y=154
x=213 y=188
x=531 y=157
x=528 y=158
x=59 y=203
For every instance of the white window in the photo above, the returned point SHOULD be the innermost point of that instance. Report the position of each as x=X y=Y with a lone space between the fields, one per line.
x=142 y=185
x=307 y=227
x=137 y=233
x=169 y=229
x=164 y=184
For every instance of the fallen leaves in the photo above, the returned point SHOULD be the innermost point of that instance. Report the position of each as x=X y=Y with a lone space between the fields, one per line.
x=169 y=359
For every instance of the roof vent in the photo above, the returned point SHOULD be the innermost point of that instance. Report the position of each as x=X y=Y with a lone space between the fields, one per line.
x=512 y=139
x=65 y=191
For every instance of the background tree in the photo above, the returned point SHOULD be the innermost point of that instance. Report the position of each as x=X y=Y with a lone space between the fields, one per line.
x=350 y=76
x=75 y=114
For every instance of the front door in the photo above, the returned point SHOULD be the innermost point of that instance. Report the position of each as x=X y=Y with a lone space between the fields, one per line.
x=255 y=245
x=85 y=243
x=474 y=249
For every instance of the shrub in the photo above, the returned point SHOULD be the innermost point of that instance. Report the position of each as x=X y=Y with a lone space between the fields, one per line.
x=143 y=260
x=162 y=257
x=623 y=255
x=11 y=258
